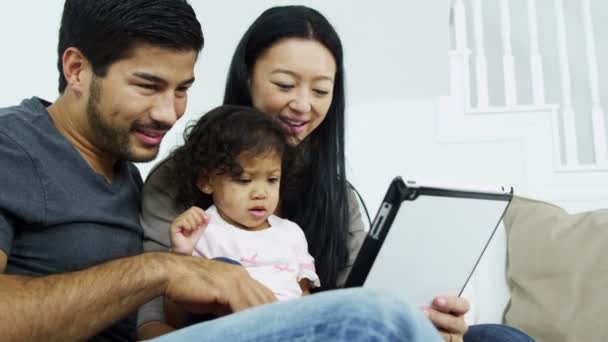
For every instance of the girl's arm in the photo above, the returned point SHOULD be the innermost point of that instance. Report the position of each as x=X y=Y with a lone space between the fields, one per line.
x=187 y=229
x=175 y=315
x=305 y=286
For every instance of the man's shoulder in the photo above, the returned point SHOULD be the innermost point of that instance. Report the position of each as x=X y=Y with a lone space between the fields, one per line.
x=25 y=137
x=22 y=194
x=135 y=174
x=20 y=119
x=28 y=109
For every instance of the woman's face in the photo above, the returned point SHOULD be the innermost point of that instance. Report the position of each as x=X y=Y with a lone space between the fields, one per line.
x=294 y=81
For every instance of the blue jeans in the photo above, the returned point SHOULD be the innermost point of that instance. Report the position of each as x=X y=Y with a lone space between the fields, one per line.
x=495 y=333
x=341 y=315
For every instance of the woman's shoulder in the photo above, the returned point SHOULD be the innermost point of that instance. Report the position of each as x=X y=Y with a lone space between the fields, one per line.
x=160 y=172
x=351 y=196
x=159 y=180
x=158 y=194
x=355 y=205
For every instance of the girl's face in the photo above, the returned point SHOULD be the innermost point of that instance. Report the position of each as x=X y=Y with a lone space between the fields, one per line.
x=247 y=200
x=294 y=81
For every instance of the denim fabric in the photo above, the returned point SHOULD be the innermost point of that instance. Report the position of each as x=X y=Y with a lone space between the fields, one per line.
x=341 y=315
x=495 y=333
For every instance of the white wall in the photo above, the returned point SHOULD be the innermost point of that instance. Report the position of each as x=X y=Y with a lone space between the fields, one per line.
x=394 y=75
x=387 y=58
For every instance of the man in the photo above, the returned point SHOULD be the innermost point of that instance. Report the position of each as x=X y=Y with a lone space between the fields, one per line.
x=70 y=241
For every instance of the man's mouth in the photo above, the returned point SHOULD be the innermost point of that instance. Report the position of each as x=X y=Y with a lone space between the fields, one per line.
x=150 y=137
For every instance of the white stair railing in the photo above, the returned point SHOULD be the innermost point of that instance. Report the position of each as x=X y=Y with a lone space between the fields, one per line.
x=536 y=62
x=464 y=88
x=567 y=143
x=481 y=64
x=508 y=60
x=597 y=114
x=569 y=122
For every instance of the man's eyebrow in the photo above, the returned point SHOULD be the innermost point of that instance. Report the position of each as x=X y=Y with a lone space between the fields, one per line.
x=150 y=77
x=156 y=79
x=187 y=82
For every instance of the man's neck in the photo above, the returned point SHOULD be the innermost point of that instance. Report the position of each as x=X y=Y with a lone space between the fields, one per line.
x=69 y=119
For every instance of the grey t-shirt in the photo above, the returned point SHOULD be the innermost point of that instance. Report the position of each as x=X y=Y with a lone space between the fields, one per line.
x=56 y=214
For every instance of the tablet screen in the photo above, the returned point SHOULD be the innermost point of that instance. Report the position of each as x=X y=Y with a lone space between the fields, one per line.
x=433 y=246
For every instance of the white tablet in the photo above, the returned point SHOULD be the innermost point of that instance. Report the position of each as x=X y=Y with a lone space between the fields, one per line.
x=426 y=241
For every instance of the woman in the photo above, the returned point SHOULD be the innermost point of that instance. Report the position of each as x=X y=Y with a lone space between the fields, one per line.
x=289 y=64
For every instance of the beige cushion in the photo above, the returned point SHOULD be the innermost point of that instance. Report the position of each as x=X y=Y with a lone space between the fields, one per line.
x=557 y=271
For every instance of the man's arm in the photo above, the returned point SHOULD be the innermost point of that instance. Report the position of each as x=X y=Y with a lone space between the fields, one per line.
x=2 y=261
x=77 y=305
x=74 y=306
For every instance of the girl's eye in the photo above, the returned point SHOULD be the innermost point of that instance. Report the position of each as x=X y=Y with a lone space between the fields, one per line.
x=243 y=180
x=273 y=180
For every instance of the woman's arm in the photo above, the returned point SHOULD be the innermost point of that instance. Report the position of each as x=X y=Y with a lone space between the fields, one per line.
x=157 y=212
x=158 y=208
x=152 y=329
x=151 y=320
x=355 y=238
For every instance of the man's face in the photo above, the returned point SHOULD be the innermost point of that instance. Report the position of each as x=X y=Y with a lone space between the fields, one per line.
x=130 y=109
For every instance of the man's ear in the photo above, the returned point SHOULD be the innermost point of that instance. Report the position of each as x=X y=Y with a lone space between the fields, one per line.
x=76 y=70
x=203 y=184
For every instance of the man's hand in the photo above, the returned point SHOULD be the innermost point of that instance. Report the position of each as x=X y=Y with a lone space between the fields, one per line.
x=447 y=314
x=204 y=285
x=187 y=229
x=3 y=260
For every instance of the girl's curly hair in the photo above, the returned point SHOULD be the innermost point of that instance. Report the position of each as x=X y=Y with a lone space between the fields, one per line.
x=214 y=142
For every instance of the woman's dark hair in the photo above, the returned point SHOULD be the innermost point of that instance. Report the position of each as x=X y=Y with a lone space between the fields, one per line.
x=319 y=204
x=214 y=143
x=106 y=31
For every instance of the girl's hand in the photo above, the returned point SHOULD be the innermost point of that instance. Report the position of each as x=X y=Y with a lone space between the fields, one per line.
x=447 y=314
x=187 y=229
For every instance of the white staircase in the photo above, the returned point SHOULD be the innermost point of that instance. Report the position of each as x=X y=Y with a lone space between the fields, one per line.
x=551 y=144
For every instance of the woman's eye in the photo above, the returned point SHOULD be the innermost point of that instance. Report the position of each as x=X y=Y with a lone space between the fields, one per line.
x=284 y=86
x=321 y=92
